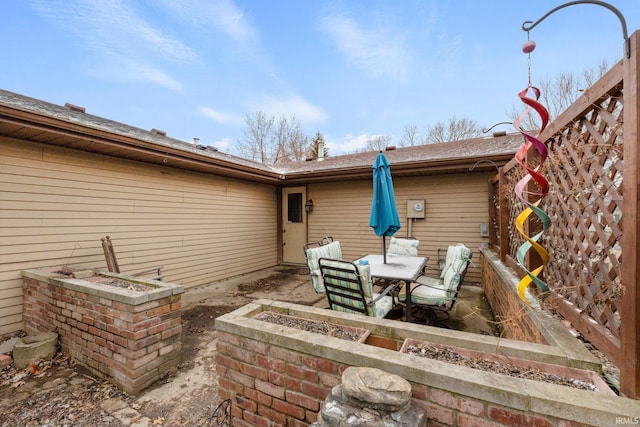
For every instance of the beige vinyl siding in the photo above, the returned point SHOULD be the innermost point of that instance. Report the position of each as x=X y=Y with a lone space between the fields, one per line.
x=455 y=206
x=58 y=203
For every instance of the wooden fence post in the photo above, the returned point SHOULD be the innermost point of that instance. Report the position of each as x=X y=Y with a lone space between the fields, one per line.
x=629 y=337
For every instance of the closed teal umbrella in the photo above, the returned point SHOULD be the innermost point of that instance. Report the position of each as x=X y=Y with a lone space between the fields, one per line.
x=384 y=215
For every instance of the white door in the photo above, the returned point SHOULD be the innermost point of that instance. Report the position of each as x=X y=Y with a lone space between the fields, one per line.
x=294 y=227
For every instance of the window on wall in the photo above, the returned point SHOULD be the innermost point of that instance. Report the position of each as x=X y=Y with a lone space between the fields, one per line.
x=294 y=204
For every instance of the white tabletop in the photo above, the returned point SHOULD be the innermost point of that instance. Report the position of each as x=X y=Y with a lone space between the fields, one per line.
x=406 y=268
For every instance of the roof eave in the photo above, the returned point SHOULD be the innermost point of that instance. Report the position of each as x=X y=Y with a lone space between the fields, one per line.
x=96 y=139
x=427 y=167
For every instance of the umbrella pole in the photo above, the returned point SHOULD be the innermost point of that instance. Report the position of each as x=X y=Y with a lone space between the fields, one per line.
x=384 y=250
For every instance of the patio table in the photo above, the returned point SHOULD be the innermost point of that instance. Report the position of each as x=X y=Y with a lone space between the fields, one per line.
x=397 y=267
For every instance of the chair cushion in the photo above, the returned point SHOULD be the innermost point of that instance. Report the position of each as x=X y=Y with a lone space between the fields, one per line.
x=381 y=308
x=457 y=258
x=433 y=294
x=331 y=250
x=404 y=247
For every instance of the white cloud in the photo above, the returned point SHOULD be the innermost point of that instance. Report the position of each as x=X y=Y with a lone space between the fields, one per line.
x=223 y=15
x=221 y=117
x=304 y=111
x=376 y=50
x=117 y=38
x=223 y=144
x=347 y=144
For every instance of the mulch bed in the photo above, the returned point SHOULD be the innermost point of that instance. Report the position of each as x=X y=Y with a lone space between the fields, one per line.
x=446 y=355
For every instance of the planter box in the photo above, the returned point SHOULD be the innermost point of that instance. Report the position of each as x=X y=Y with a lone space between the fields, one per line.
x=345 y=332
x=498 y=361
x=119 y=327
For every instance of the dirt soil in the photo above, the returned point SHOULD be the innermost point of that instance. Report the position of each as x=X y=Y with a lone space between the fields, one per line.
x=59 y=393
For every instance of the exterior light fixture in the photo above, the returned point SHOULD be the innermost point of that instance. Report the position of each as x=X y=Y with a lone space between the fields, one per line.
x=308 y=207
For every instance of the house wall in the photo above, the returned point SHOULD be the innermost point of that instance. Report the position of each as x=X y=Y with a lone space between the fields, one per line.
x=57 y=204
x=455 y=206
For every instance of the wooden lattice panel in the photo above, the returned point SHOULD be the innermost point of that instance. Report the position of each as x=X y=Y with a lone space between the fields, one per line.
x=584 y=169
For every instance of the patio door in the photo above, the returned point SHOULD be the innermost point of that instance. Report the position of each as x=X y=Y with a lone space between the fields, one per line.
x=294 y=228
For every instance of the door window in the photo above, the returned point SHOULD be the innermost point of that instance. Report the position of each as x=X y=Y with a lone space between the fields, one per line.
x=294 y=204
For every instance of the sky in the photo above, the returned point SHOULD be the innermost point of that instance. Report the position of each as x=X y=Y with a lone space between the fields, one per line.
x=349 y=69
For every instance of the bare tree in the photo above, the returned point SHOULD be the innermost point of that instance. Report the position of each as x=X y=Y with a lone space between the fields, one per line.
x=272 y=142
x=453 y=130
x=558 y=93
x=258 y=143
x=289 y=141
x=411 y=136
x=378 y=142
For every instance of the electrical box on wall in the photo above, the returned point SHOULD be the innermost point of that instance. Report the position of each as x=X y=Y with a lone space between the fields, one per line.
x=415 y=209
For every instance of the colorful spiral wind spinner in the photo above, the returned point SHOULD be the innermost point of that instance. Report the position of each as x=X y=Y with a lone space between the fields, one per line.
x=521 y=189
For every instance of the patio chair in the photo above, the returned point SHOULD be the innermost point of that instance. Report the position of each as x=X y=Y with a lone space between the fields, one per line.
x=403 y=246
x=112 y=262
x=436 y=295
x=349 y=289
x=313 y=251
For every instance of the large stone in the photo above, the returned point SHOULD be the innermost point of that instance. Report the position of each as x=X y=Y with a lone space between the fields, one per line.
x=374 y=388
x=34 y=349
x=372 y=398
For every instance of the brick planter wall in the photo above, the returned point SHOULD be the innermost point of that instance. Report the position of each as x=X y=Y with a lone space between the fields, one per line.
x=275 y=375
x=130 y=337
x=518 y=320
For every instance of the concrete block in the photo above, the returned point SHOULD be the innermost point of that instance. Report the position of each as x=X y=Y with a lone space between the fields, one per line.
x=34 y=348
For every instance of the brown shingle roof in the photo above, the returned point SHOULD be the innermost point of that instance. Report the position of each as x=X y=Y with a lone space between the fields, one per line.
x=453 y=156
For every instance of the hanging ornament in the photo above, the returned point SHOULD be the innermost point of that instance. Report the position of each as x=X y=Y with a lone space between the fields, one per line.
x=529 y=46
x=531 y=141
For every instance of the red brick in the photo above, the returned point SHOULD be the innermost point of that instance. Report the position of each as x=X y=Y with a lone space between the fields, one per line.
x=320 y=364
x=444 y=398
x=303 y=400
x=240 y=354
x=329 y=380
x=302 y=373
x=171 y=332
x=292 y=422
x=310 y=417
x=270 y=363
x=439 y=414
x=270 y=389
x=5 y=360
x=289 y=409
x=419 y=391
x=246 y=404
x=241 y=378
x=254 y=345
x=254 y=420
x=227 y=337
x=284 y=381
x=227 y=361
x=256 y=396
x=511 y=418
x=255 y=371
x=273 y=415
x=314 y=390
x=284 y=354
x=465 y=420
x=233 y=386
x=471 y=406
